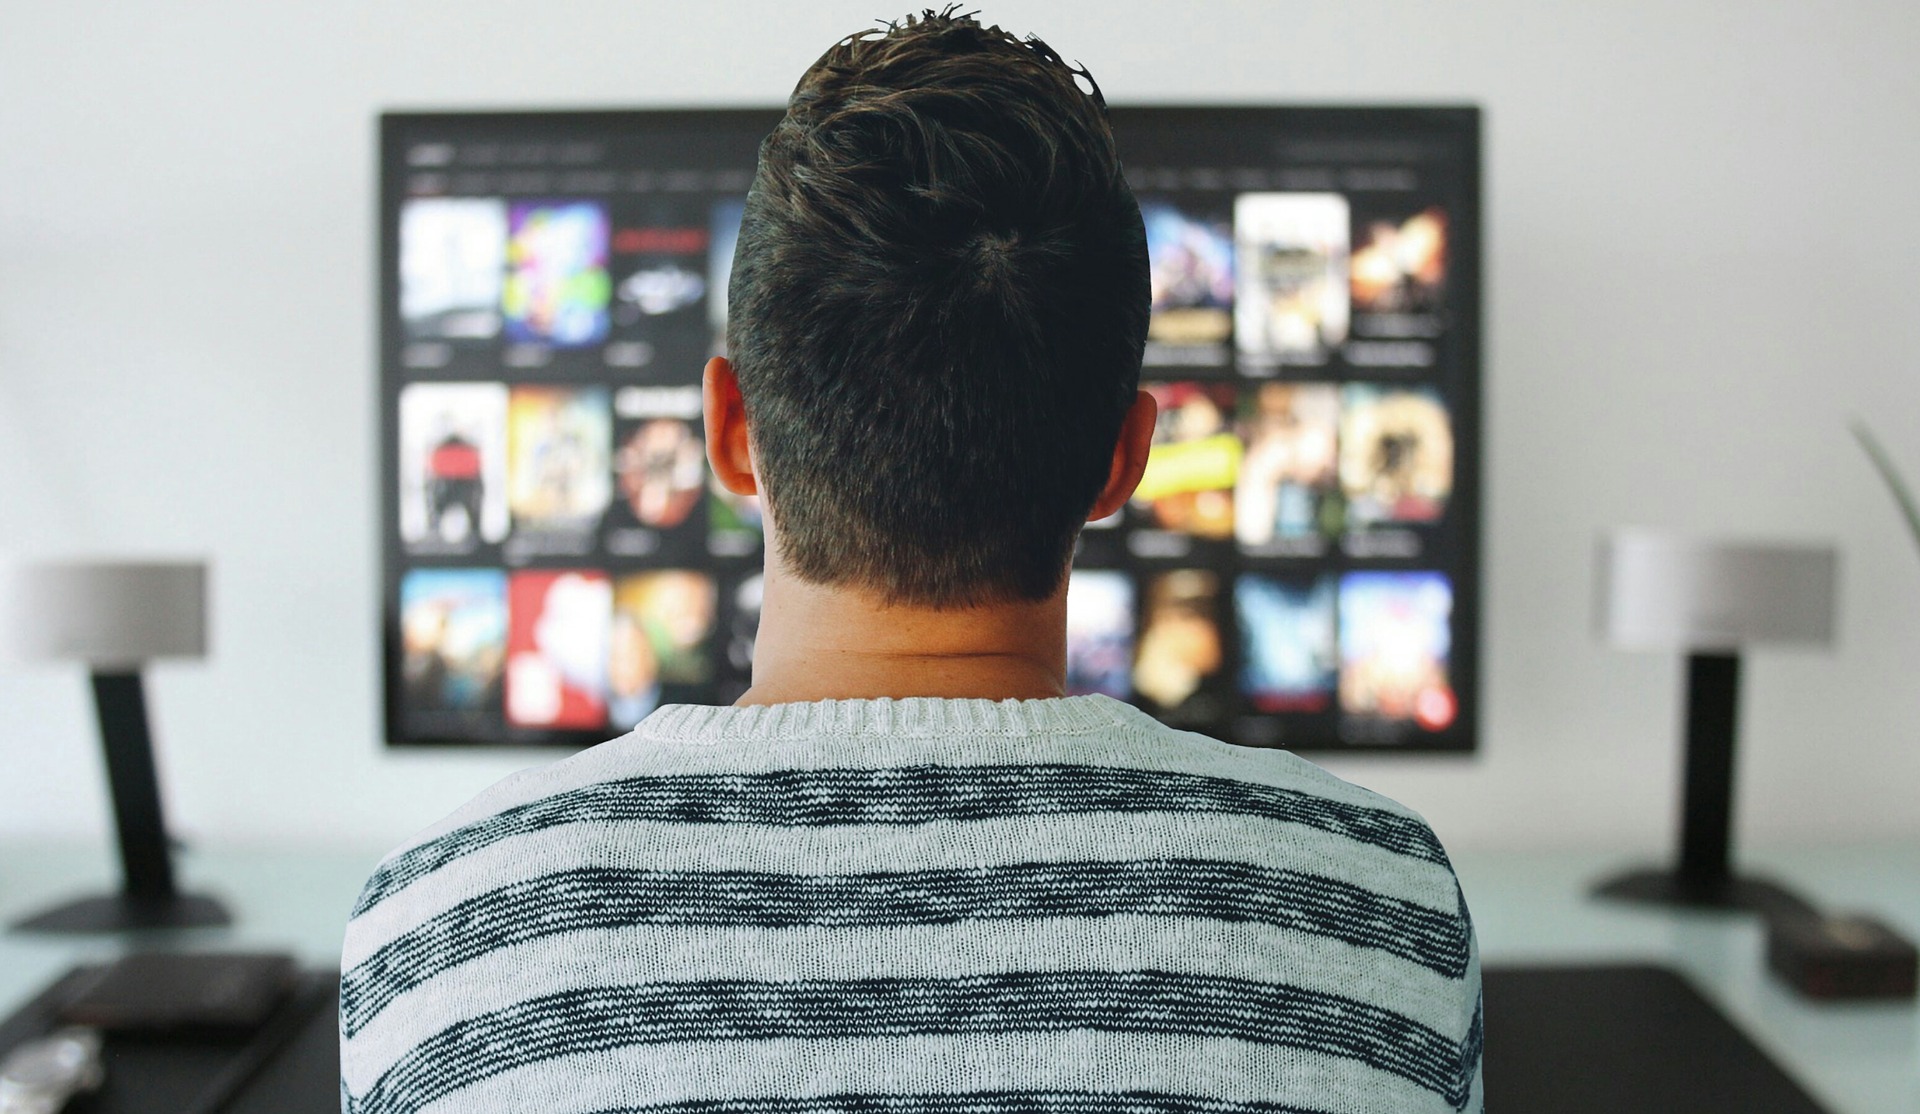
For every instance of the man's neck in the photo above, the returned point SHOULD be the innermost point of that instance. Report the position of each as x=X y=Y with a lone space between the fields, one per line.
x=836 y=643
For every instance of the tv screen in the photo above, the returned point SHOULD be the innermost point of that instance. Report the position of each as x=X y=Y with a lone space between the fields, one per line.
x=1298 y=569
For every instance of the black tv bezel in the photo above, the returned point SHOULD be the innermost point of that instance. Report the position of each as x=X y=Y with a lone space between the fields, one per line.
x=1460 y=124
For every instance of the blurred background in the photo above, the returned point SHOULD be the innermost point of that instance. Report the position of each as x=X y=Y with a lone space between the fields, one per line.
x=1700 y=258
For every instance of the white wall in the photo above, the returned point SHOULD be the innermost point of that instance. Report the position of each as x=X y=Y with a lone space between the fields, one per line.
x=1703 y=256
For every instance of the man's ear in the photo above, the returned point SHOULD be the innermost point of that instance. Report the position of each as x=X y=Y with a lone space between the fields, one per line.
x=1129 y=456
x=728 y=448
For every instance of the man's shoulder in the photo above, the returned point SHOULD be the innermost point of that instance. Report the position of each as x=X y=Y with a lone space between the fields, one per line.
x=1268 y=766
x=1308 y=814
x=523 y=788
x=525 y=801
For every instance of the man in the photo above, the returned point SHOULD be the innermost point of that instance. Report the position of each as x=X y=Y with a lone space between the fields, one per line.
x=905 y=873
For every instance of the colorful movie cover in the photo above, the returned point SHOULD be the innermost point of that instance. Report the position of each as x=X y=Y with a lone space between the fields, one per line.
x=1191 y=273
x=660 y=460
x=1396 y=454
x=1401 y=266
x=1181 y=651
x=453 y=641
x=453 y=465
x=1395 y=637
x=1289 y=658
x=453 y=259
x=1289 y=481
x=662 y=464
x=557 y=287
x=1195 y=461
x=1291 y=303
x=559 y=457
x=558 y=627
x=1099 y=633
x=662 y=635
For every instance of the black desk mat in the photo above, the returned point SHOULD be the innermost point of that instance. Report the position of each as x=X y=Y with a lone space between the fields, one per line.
x=305 y=1077
x=1574 y=1040
x=292 y=1066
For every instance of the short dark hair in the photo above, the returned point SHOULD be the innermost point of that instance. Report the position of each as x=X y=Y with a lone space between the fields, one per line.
x=938 y=305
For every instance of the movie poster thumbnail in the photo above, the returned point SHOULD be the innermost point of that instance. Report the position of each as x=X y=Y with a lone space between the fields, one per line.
x=1396 y=455
x=453 y=256
x=453 y=643
x=1289 y=655
x=660 y=645
x=1400 y=263
x=1286 y=499
x=1190 y=260
x=453 y=466
x=557 y=641
x=660 y=471
x=1180 y=665
x=557 y=289
x=1100 y=620
x=559 y=458
x=660 y=277
x=1395 y=639
x=1291 y=299
x=725 y=224
x=1188 y=486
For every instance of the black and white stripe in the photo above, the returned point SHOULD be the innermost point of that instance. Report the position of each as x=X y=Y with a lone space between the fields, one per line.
x=1140 y=1002
x=975 y=1102
x=915 y=907
x=904 y=796
x=599 y=898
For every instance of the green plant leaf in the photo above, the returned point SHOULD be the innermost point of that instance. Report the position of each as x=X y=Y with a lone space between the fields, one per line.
x=1883 y=464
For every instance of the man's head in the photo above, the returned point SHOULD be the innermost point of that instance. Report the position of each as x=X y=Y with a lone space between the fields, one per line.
x=937 y=310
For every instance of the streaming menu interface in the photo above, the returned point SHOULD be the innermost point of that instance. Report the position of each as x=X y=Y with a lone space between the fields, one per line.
x=1298 y=567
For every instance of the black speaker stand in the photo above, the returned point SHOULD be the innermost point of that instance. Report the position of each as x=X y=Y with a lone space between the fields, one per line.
x=147 y=897
x=1704 y=878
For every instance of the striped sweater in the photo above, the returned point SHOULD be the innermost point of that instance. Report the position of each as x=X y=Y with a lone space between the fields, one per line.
x=915 y=907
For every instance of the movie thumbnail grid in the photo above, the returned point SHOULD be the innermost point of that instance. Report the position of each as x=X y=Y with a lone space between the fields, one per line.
x=1276 y=469
x=603 y=476
x=584 y=649
x=628 y=285
x=1286 y=469
x=1251 y=654
x=591 y=650
x=1261 y=282
x=1270 y=281
x=532 y=471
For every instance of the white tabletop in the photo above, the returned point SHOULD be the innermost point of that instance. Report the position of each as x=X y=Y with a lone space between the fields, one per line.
x=1527 y=907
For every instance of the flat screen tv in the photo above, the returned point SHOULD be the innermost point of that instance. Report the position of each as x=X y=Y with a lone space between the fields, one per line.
x=1299 y=568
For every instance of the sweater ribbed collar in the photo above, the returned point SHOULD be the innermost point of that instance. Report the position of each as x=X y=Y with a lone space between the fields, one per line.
x=913 y=717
